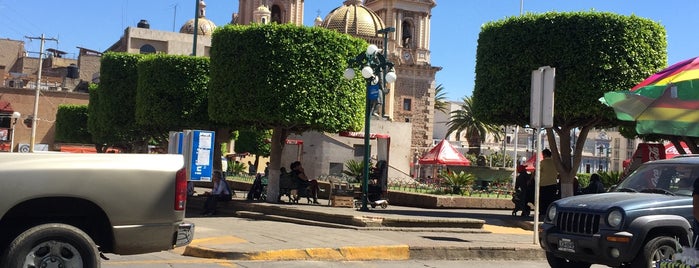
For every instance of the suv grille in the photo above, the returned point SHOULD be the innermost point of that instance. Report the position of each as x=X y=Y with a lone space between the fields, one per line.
x=578 y=223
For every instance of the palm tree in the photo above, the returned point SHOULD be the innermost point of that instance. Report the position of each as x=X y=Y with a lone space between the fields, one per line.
x=476 y=130
x=440 y=99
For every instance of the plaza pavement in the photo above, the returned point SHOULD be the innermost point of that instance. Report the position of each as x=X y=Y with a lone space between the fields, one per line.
x=254 y=230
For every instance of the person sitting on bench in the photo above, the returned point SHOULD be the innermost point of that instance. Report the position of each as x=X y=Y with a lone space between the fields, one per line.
x=303 y=184
x=219 y=192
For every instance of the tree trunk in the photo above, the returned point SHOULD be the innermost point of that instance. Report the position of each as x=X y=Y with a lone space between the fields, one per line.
x=567 y=161
x=279 y=136
x=222 y=135
x=474 y=144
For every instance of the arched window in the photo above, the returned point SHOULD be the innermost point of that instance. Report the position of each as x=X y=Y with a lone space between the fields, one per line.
x=407 y=33
x=147 y=49
x=276 y=14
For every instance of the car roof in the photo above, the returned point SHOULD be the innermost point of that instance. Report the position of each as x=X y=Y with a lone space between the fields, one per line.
x=680 y=159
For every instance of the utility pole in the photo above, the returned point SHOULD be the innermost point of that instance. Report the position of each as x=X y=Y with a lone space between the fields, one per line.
x=32 y=140
x=196 y=28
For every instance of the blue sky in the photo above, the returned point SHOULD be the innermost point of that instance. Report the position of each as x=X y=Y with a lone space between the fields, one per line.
x=97 y=24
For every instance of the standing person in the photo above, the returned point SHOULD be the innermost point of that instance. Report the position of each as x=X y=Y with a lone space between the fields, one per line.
x=548 y=184
x=522 y=185
x=252 y=169
x=266 y=169
x=219 y=192
x=304 y=185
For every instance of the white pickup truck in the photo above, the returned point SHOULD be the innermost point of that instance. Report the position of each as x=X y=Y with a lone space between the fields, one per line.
x=64 y=210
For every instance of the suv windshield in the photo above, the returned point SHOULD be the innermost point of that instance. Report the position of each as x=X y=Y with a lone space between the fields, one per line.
x=672 y=179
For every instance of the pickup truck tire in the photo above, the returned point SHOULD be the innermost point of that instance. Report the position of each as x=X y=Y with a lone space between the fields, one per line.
x=556 y=262
x=52 y=245
x=657 y=249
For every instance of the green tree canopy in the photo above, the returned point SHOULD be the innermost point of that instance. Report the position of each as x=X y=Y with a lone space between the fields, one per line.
x=172 y=92
x=593 y=52
x=286 y=78
x=71 y=124
x=114 y=122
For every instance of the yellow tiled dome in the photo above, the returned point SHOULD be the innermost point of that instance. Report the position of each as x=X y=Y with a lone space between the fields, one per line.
x=206 y=27
x=355 y=19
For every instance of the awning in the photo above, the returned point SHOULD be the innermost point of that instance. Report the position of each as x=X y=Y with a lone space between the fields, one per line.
x=6 y=107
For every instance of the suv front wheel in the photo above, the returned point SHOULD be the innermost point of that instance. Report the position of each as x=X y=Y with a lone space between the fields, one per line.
x=657 y=249
x=556 y=262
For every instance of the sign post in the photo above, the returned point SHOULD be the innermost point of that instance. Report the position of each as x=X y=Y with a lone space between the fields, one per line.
x=541 y=116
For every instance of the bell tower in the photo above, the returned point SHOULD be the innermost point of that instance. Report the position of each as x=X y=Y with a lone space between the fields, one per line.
x=413 y=94
x=280 y=11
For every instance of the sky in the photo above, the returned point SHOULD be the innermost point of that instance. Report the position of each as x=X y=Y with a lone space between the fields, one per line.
x=97 y=24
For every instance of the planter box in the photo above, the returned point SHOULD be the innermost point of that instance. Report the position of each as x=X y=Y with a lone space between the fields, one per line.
x=342 y=201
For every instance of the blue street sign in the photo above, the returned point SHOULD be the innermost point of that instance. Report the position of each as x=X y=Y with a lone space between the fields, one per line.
x=199 y=154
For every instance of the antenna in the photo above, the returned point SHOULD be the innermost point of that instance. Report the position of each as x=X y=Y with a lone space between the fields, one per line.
x=174 y=17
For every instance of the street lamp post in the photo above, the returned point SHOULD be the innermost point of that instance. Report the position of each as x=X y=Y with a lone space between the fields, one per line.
x=15 y=116
x=384 y=89
x=374 y=66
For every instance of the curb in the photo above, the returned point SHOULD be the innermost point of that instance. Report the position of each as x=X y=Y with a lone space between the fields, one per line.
x=368 y=253
x=476 y=253
x=374 y=253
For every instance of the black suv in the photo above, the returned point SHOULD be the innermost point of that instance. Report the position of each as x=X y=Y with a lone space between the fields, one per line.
x=636 y=224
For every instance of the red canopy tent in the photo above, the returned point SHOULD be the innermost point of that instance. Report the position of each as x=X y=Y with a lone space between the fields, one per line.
x=444 y=154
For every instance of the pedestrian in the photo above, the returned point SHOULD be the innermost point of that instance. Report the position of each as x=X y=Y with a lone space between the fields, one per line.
x=595 y=186
x=266 y=169
x=220 y=192
x=522 y=185
x=548 y=181
x=252 y=169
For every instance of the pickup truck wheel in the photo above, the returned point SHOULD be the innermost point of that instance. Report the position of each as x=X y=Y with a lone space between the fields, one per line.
x=657 y=249
x=52 y=245
x=556 y=262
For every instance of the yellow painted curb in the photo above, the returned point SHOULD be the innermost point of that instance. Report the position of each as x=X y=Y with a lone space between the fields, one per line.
x=388 y=253
x=392 y=252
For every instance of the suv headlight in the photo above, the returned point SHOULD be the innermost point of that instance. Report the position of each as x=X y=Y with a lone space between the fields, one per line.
x=551 y=213
x=614 y=218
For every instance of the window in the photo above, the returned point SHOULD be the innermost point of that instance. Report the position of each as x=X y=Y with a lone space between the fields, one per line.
x=407 y=119
x=358 y=150
x=407 y=33
x=407 y=104
x=5 y=120
x=335 y=169
x=276 y=14
x=147 y=49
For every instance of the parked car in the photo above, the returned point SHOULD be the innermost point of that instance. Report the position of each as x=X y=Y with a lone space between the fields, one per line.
x=638 y=223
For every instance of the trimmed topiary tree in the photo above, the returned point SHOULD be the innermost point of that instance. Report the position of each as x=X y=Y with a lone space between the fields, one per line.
x=113 y=105
x=71 y=124
x=172 y=92
x=286 y=78
x=593 y=52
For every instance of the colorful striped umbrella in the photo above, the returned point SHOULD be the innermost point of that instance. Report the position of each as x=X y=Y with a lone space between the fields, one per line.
x=664 y=103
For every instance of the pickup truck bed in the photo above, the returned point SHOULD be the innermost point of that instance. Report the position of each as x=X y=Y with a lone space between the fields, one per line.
x=114 y=203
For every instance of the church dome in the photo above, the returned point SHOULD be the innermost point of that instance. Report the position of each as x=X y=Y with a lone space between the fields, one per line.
x=355 y=19
x=206 y=27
